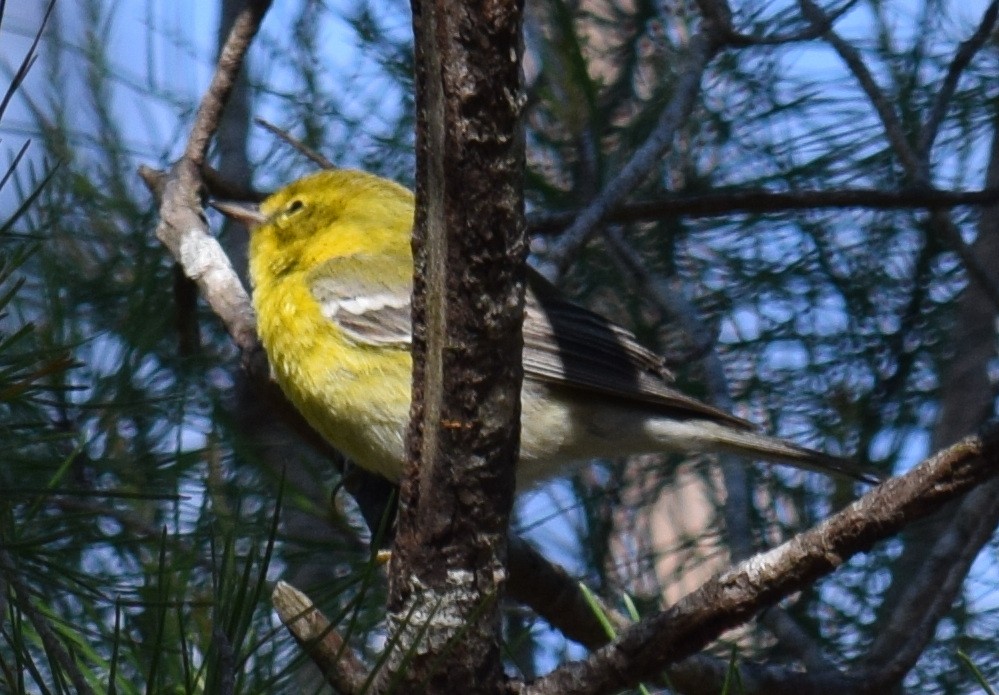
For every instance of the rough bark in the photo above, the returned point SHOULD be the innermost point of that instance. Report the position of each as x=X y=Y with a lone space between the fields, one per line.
x=447 y=571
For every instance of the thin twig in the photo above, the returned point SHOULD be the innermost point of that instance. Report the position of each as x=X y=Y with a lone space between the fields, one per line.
x=29 y=59
x=976 y=271
x=737 y=39
x=968 y=49
x=296 y=144
x=915 y=164
x=890 y=121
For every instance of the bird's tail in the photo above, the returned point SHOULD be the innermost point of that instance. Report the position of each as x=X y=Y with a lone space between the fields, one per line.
x=719 y=438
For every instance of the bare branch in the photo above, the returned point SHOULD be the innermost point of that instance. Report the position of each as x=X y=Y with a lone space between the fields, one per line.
x=914 y=163
x=182 y=227
x=735 y=595
x=723 y=202
x=184 y=231
x=230 y=61
x=927 y=597
x=976 y=271
x=739 y=40
x=935 y=550
x=339 y=664
x=552 y=593
x=796 y=641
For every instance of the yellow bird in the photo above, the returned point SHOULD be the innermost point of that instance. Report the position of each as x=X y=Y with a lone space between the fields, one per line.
x=331 y=267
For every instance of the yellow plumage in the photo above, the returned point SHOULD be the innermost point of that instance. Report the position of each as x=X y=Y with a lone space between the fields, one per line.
x=331 y=266
x=352 y=394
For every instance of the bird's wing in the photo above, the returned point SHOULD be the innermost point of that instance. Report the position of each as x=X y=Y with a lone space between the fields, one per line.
x=366 y=297
x=567 y=345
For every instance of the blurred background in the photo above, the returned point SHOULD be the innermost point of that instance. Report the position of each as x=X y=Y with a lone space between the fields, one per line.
x=148 y=497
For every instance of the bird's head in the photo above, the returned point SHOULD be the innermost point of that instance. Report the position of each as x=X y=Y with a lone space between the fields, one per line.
x=353 y=211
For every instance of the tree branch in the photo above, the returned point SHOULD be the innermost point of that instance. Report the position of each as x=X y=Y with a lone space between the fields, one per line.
x=934 y=550
x=732 y=597
x=929 y=595
x=230 y=62
x=731 y=202
x=339 y=664
x=914 y=166
x=737 y=39
x=469 y=246
x=945 y=93
x=182 y=227
x=914 y=163
x=553 y=594
x=296 y=144
x=703 y=47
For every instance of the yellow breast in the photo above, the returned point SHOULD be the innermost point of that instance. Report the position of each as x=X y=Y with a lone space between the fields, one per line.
x=355 y=396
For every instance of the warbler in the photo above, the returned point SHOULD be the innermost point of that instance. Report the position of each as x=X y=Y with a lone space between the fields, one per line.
x=331 y=268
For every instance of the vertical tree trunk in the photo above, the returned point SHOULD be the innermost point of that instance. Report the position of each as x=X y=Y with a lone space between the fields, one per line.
x=448 y=566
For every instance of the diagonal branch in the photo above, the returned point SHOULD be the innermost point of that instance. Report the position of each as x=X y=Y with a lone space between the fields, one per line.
x=313 y=156
x=182 y=227
x=934 y=551
x=737 y=39
x=703 y=47
x=929 y=595
x=732 y=597
x=555 y=595
x=913 y=165
x=968 y=49
x=230 y=62
x=340 y=665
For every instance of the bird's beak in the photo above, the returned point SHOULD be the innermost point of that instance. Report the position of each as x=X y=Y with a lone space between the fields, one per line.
x=247 y=213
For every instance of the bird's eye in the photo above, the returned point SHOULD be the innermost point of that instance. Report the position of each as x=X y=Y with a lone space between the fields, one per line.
x=294 y=206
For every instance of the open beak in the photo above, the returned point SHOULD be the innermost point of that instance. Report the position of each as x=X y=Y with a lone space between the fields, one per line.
x=247 y=213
